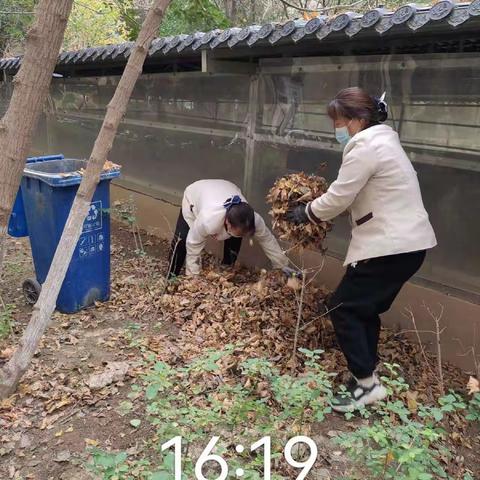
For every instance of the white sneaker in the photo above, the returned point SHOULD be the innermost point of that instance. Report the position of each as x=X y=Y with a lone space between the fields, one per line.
x=357 y=396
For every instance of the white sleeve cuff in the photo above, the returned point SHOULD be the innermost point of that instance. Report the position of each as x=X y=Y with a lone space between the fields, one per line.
x=311 y=216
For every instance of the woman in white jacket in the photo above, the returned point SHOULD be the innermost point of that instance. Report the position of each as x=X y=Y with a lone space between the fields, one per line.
x=217 y=209
x=391 y=232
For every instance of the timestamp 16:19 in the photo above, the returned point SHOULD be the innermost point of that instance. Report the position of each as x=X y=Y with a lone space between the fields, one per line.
x=265 y=442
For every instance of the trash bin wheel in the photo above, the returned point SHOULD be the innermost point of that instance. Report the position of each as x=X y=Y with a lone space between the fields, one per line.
x=31 y=290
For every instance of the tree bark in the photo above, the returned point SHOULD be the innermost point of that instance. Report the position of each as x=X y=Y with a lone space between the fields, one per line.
x=31 y=85
x=231 y=10
x=12 y=372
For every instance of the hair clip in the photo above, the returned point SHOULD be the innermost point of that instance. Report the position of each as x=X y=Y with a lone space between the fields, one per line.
x=382 y=104
x=230 y=202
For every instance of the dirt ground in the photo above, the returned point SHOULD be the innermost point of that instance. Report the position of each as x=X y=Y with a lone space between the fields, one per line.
x=47 y=427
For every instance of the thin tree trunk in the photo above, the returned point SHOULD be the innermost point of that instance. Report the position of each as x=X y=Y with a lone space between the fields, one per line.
x=230 y=7
x=32 y=82
x=11 y=374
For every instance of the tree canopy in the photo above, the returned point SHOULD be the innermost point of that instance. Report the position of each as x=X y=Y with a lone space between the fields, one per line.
x=103 y=22
x=15 y=18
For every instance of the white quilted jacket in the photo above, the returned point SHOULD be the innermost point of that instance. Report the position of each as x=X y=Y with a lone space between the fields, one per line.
x=378 y=185
x=203 y=210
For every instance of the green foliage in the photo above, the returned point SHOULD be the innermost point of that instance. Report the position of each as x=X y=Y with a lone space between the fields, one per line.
x=264 y=402
x=125 y=212
x=6 y=320
x=130 y=19
x=109 y=466
x=474 y=408
x=103 y=22
x=188 y=16
x=15 y=19
x=125 y=408
x=131 y=334
x=402 y=441
x=135 y=423
x=400 y=444
x=311 y=392
x=93 y=23
x=209 y=362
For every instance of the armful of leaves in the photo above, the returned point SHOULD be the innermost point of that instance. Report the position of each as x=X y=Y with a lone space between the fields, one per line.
x=287 y=193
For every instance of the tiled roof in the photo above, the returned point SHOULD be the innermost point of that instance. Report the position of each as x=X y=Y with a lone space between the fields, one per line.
x=444 y=16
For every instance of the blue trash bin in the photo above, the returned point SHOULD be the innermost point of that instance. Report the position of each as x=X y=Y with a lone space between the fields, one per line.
x=48 y=190
x=17 y=225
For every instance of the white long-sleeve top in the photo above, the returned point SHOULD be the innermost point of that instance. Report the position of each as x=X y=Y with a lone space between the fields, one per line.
x=378 y=185
x=203 y=210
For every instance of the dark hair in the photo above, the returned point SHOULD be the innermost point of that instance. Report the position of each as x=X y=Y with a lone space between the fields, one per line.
x=242 y=216
x=357 y=103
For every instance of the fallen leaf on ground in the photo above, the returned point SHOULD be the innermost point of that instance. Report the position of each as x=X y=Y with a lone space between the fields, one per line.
x=412 y=401
x=473 y=386
x=63 y=456
x=6 y=353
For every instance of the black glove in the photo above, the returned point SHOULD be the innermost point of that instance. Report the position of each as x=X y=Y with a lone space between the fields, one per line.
x=298 y=215
x=292 y=272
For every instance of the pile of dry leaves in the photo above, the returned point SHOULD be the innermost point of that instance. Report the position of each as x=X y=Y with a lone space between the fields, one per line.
x=287 y=193
x=258 y=314
x=108 y=166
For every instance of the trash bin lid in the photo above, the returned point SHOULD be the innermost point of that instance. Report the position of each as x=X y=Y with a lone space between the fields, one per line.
x=63 y=173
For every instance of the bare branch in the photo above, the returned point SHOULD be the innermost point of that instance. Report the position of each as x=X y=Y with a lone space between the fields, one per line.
x=299 y=318
x=417 y=332
x=322 y=9
x=469 y=351
x=438 y=332
x=323 y=315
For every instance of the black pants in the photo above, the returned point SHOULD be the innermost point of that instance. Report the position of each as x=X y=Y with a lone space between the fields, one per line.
x=365 y=291
x=178 y=248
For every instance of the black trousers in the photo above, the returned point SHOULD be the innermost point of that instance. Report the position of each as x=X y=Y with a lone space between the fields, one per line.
x=365 y=291
x=178 y=248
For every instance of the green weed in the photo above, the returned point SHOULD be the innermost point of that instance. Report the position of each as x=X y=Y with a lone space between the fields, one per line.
x=6 y=320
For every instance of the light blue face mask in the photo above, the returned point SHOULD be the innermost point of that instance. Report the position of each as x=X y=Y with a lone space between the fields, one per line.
x=231 y=233
x=342 y=135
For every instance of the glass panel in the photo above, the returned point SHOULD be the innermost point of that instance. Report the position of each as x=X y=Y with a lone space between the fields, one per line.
x=178 y=128
x=434 y=104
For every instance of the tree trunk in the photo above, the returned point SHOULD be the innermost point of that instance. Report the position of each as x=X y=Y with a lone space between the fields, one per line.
x=11 y=374
x=231 y=10
x=31 y=88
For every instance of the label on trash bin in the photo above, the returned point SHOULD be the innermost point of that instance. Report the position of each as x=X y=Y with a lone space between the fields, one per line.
x=89 y=242
x=94 y=217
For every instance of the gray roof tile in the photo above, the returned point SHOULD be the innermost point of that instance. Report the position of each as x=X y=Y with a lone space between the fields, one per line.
x=474 y=8
x=404 y=14
x=174 y=42
x=224 y=37
x=418 y=20
x=458 y=17
x=445 y=14
x=342 y=21
x=190 y=40
x=441 y=10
